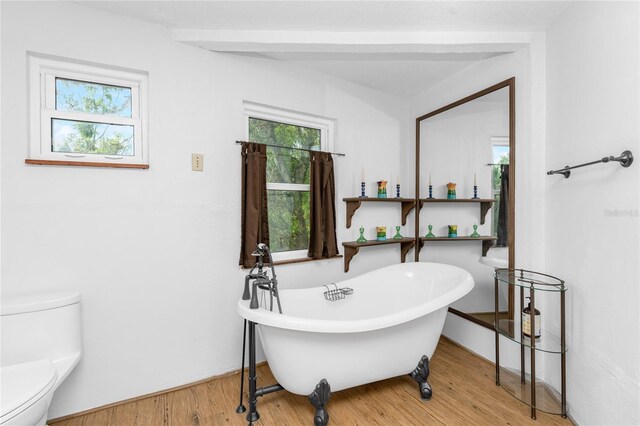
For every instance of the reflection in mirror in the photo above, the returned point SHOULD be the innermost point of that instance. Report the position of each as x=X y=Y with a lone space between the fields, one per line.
x=470 y=143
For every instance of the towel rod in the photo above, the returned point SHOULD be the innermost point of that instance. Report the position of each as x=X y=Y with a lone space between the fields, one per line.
x=297 y=149
x=625 y=159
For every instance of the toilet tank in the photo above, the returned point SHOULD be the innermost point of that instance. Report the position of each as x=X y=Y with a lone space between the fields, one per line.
x=40 y=326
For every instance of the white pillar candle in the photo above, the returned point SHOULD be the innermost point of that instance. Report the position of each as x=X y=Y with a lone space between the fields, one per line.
x=429 y=178
x=398 y=180
x=475 y=183
x=362 y=176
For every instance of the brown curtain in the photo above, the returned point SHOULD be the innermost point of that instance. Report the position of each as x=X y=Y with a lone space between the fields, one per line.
x=255 y=220
x=503 y=208
x=322 y=238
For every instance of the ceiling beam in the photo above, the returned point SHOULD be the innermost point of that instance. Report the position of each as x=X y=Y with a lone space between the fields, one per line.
x=354 y=42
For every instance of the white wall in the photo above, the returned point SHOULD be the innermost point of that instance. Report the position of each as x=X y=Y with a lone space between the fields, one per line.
x=154 y=253
x=592 y=238
x=527 y=65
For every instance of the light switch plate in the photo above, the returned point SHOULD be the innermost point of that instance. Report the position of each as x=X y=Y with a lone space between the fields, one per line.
x=196 y=162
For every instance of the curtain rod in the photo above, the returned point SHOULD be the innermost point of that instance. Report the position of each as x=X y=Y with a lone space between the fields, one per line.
x=297 y=149
x=497 y=164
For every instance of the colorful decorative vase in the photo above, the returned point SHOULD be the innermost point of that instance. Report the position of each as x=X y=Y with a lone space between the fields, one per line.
x=453 y=231
x=451 y=191
x=381 y=233
x=397 y=236
x=361 y=238
x=382 y=189
x=430 y=234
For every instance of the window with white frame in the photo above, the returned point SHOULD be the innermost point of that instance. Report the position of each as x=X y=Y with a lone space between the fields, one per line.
x=288 y=171
x=86 y=113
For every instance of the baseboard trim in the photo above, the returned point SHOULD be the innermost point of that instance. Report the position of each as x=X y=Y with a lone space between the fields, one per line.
x=149 y=395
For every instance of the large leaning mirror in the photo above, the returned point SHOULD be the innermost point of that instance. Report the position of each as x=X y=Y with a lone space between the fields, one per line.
x=469 y=143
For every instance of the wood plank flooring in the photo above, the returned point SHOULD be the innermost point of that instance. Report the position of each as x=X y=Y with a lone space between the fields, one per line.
x=464 y=393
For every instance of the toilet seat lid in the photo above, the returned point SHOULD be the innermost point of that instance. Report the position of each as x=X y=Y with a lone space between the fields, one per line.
x=24 y=384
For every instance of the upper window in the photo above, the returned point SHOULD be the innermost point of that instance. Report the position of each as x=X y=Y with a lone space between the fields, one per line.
x=85 y=113
x=287 y=172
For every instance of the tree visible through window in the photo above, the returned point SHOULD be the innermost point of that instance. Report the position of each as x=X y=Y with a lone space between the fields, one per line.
x=87 y=137
x=287 y=180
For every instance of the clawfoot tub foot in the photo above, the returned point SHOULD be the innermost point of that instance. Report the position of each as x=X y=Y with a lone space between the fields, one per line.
x=319 y=399
x=420 y=375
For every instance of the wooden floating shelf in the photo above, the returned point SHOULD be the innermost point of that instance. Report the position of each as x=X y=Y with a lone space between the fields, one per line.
x=351 y=248
x=485 y=204
x=354 y=203
x=487 y=241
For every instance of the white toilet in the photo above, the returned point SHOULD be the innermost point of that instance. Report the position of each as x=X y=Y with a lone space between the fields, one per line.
x=40 y=346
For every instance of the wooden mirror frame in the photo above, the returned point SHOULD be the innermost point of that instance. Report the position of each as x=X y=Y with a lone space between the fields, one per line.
x=511 y=84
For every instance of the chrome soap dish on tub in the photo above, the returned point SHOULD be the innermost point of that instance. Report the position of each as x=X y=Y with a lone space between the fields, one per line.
x=336 y=293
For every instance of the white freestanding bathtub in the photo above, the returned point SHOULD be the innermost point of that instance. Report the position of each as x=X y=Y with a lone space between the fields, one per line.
x=393 y=318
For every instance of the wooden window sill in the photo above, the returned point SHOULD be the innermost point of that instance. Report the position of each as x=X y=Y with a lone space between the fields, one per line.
x=86 y=164
x=301 y=260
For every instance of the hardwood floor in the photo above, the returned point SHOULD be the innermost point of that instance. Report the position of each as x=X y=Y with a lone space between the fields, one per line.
x=464 y=393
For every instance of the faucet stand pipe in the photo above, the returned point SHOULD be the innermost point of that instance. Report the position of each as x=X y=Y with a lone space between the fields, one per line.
x=254 y=392
x=241 y=408
x=252 y=415
x=268 y=389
